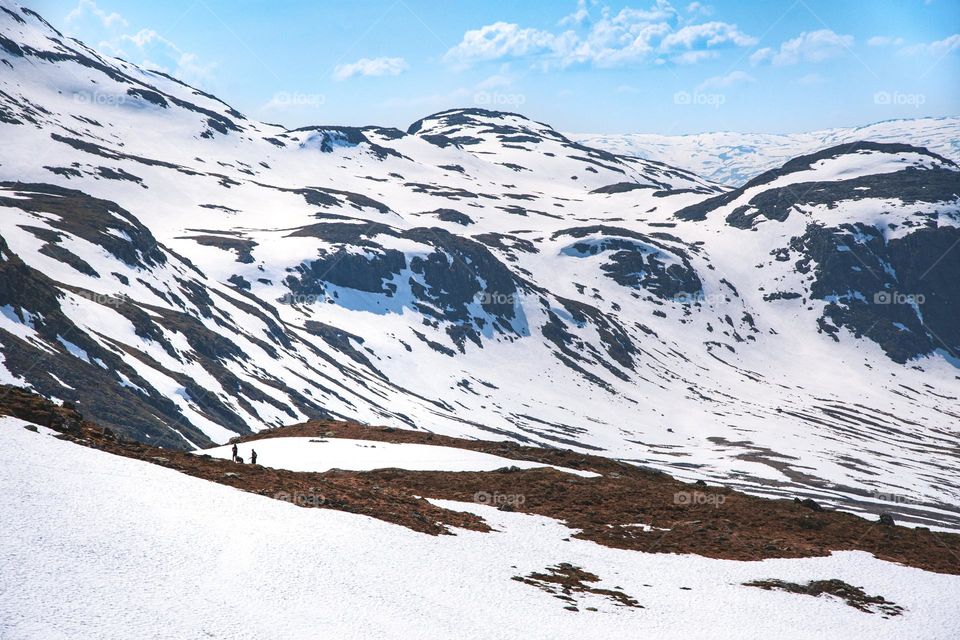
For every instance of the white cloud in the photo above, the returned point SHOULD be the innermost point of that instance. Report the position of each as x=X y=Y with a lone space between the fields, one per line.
x=371 y=67
x=699 y=7
x=146 y=37
x=158 y=53
x=938 y=48
x=503 y=40
x=884 y=41
x=609 y=40
x=761 y=55
x=578 y=16
x=84 y=7
x=708 y=34
x=146 y=47
x=726 y=81
x=813 y=46
x=661 y=11
x=612 y=43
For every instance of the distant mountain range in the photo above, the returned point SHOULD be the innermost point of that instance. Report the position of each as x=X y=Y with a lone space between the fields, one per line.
x=733 y=158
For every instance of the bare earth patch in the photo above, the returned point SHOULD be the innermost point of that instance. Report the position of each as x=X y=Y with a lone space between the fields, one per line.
x=565 y=580
x=853 y=596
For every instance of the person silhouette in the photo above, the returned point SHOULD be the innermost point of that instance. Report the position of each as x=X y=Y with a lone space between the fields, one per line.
x=234 y=456
x=253 y=456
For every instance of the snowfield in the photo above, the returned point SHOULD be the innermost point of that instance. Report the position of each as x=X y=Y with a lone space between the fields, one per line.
x=99 y=547
x=319 y=455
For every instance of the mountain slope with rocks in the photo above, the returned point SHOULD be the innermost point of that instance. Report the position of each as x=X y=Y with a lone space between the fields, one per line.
x=184 y=275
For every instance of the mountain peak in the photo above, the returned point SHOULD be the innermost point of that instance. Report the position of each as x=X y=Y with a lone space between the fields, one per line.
x=472 y=117
x=524 y=144
x=472 y=126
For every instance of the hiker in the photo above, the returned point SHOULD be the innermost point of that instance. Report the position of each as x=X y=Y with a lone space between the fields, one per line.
x=234 y=456
x=253 y=456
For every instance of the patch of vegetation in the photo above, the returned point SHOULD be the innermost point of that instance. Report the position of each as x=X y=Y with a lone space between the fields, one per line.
x=565 y=579
x=853 y=596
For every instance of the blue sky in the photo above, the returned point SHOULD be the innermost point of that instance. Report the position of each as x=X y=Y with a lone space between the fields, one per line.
x=648 y=66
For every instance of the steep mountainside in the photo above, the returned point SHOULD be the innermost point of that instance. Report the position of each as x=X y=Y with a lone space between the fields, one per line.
x=733 y=158
x=184 y=274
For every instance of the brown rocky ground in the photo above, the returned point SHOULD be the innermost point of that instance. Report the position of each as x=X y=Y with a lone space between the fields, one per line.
x=609 y=509
x=565 y=581
x=853 y=596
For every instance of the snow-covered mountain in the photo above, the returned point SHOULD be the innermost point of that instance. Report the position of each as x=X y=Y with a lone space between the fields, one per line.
x=185 y=274
x=733 y=158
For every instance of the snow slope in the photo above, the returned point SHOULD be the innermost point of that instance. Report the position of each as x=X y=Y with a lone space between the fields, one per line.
x=94 y=546
x=733 y=158
x=319 y=455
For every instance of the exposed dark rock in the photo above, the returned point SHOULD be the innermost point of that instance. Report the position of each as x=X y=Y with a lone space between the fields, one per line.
x=621 y=187
x=809 y=503
x=452 y=215
x=909 y=185
x=241 y=246
x=639 y=261
x=900 y=293
x=100 y=222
